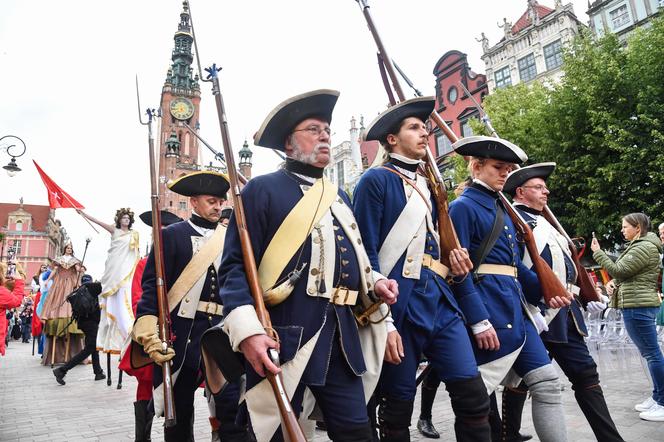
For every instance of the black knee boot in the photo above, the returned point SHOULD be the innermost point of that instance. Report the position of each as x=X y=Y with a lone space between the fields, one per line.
x=470 y=403
x=142 y=421
x=590 y=397
x=394 y=419
x=513 y=402
x=495 y=422
x=429 y=388
x=354 y=433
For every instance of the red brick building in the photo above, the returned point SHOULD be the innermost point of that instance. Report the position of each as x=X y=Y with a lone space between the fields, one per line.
x=452 y=102
x=32 y=233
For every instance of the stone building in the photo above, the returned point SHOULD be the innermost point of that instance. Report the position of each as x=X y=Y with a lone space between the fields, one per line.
x=622 y=16
x=531 y=48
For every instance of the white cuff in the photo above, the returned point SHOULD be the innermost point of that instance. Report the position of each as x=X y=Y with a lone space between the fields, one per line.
x=389 y=323
x=241 y=323
x=481 y=326
x=377 y=276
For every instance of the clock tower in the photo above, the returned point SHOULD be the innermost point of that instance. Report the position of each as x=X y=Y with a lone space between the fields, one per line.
x=180 y=104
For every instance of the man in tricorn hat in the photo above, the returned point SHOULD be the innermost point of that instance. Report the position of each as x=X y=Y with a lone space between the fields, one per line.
x=564 y=339
x=192 y=252
x=398 y=221
x=494 y=298
x=313 y=270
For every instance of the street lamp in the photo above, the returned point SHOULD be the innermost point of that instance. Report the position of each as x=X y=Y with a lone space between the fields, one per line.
x=11 y=167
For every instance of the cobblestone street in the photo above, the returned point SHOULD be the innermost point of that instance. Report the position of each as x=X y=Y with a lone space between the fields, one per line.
x=35 y=408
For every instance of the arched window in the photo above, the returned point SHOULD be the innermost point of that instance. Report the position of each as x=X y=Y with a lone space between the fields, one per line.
x=19 y=225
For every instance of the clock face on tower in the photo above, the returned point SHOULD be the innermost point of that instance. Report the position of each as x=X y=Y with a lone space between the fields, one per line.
x=182 y=108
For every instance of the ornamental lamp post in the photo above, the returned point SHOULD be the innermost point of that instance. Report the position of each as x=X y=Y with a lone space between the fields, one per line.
x=12 y=167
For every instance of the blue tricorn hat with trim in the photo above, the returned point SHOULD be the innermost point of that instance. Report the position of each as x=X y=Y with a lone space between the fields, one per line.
x=380 y=127
x=518 y=177
x=279 y=123
x=167 y=218
x=490 y=147
x=205 y=182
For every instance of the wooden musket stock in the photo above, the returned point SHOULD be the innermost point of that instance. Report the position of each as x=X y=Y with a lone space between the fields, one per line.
x=163 y=311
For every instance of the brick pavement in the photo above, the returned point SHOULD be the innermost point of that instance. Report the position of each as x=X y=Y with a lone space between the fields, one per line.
x=33 y=407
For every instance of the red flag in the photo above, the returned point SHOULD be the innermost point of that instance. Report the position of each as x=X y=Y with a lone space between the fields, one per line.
x=57 y=198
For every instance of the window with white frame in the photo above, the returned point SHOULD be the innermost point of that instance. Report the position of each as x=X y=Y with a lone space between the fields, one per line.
x=443 y=144
x=553 y=55
x=619 y=17
x=503 y=77
x=527 y=68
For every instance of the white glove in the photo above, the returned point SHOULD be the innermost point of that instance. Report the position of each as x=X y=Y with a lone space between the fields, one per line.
x=540 y=322
x=596 y=307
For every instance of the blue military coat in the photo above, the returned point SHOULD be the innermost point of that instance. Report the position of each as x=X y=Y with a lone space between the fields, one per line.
x=378 y=201
x=186 y=333
x=267 y=201
x=497 y=298
x=558 y=326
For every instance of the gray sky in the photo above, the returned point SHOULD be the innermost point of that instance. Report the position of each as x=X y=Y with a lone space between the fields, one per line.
x=67 y=80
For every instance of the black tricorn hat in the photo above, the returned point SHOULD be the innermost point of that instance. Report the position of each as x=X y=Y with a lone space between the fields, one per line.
x=279 y=123
x=167 y=218
x=226 y=212
x=380 y=127
x=205 y=182
x=490 y=147
x=518 y=177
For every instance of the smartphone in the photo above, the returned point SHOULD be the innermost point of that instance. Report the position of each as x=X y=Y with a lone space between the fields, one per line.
x=11 y=270
x=595 y=237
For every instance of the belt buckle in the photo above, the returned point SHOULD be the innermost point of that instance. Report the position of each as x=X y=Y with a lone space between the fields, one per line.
x=336 y=295
x=427 y=260
x=211 y=305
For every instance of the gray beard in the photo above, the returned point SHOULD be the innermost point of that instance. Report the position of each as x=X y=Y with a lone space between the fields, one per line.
x=309 y=158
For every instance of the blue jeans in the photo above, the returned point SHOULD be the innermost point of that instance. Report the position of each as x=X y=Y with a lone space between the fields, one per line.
x=640 y=325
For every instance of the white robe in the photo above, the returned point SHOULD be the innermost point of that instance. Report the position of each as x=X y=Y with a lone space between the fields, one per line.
x=117 y=316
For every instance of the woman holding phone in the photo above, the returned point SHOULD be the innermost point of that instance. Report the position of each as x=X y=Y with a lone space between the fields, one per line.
x=634 y=290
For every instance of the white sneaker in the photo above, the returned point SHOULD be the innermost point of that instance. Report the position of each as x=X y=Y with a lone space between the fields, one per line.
x=645 y=405
x=655 y=414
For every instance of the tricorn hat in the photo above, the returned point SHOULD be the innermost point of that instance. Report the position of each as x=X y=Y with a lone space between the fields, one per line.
x=205 y=182
x=167 y=218
x=380 y=127
x=490 y=147
x=280 y=123
x=518 y=177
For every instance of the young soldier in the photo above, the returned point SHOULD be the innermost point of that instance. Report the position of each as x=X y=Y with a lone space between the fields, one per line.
x=493 y=298
x=564 y=339
x=313 y=270
x=397 y=219
x=193 y=301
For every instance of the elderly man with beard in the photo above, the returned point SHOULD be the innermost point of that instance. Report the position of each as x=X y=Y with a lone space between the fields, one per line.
x=314 y=271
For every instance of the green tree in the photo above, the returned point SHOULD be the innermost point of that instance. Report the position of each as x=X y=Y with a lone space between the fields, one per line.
x=602 y=125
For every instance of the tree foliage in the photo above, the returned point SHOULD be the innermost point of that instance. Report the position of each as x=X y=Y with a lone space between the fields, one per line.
x=603 y=126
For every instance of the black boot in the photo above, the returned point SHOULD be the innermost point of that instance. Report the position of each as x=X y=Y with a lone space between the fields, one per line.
x=590 y=397
x=60 y=374
x=142 y=421
x=470 y=403
x=513 y=402
x=429 y=388
x=495 y=422
x=353 y=433
x=394 y=419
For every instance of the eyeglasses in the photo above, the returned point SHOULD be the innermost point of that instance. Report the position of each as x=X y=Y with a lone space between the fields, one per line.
x=538 y=187
x=315 y=130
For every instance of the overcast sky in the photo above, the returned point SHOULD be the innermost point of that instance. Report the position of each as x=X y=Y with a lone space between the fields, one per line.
x=67 y=80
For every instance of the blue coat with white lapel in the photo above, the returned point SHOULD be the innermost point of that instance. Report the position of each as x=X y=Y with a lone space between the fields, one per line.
x=267 y=201
x=178 y=251
x=558 y=326
x=497 y=298
x=378 y=201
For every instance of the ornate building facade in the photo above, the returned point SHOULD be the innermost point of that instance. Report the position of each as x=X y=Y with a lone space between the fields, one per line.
x=622 y=16
x=31 y=234
x=531 y=48
x=346 y=164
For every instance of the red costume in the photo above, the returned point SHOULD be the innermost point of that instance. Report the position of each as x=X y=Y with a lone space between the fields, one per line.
x=9 y=299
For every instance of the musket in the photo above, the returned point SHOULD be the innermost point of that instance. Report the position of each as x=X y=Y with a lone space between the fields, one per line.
x=448 y=237
x=549 y=282
x=289 y=424
x=586 y=285
x=163 y=322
